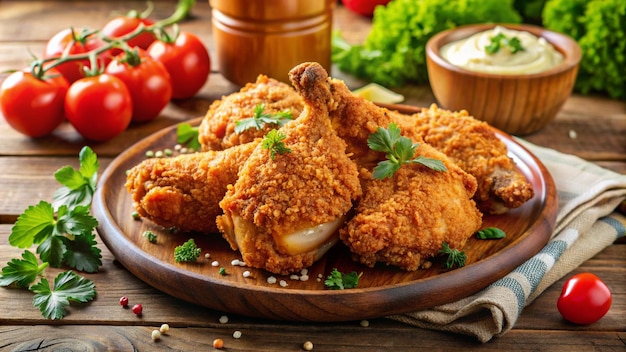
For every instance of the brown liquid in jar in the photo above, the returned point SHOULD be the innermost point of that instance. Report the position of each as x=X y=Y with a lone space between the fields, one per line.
x=270 y=37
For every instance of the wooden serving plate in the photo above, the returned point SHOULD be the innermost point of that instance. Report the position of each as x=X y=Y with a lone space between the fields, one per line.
x=382 y=290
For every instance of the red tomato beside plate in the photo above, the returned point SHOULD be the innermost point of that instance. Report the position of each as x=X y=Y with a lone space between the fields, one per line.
x=363 y=7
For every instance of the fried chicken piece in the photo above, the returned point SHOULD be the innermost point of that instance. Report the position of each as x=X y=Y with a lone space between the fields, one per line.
x=284 y=211
x=472 y=145
x=217 y=129
x=184 y=191
x=405 y=219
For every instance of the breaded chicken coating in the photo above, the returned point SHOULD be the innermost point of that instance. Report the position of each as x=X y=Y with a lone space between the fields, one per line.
x=405 y=219
x=217 y=129
x=278 y=204
x=184 y=191
x=472 y=145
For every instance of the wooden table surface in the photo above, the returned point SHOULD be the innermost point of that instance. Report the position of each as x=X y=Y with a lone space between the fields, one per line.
x=27 y=166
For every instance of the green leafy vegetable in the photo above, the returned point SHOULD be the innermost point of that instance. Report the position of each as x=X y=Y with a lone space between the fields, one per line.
x=64 y=237
x=400 y=150
x=273 y=141
x=22 y=271
x=187 y=135
x=599 y=26
x=187 y=252
x=454 y=256
x=490 y=233
x=499 y=40
x=260 y=119
x=78 y=185
x=394 y=52
x=339 y=281
x=68 y=286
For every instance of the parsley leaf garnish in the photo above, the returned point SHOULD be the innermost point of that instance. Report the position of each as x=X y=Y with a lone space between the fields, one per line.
x=400 y=150
x=339 y=281
x=455 y=257
x=260 y=119
x=188 y=135
x=78 y=185
x=499 y=40
x=22 y=271
x=68 y=286
x=187 y=252
x=64 y=237
x=490 y=233
x=273 y=141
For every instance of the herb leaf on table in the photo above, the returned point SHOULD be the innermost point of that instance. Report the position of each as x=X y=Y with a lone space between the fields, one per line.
x=68 y=286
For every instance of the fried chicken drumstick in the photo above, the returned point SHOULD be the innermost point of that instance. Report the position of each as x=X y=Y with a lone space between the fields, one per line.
x=405 y=219
x=283 y=212
x=184 y=191
x=474 y=146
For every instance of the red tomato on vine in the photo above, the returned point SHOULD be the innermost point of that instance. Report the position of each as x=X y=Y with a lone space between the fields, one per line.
x=33 y=106
x=188 y=62
x=121 y=25
x=99 y=107
x=147 y=80
x=71 y=41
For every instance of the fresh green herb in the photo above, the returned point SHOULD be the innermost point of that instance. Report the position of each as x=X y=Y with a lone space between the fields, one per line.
x=150 y=236
x=500 y=40
x=339 y=281
x=135 y=215
x=455 y=257
x=490 y=233
x=68 y=286
x=598 y=27
x=400 y=150
x=78 y=185
x=187 y=252
x=188 y=135
x=64 y=237
x=260 y=119
x=394 y=52
x=22 y=271
x=222 y=271
x=273 y=141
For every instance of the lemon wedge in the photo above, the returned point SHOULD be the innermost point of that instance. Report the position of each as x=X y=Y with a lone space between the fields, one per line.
x=379 y=94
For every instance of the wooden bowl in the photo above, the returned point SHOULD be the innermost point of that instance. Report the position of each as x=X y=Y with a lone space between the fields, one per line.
x=518 y=104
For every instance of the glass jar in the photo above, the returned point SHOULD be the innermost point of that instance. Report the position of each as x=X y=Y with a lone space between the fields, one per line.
x=270 y=37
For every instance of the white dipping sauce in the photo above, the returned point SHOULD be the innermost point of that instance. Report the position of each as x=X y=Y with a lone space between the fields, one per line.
x=470 y=53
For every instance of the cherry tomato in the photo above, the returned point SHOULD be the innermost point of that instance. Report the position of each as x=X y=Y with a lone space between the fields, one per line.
x=147 y=80
x=99 y=107
x=72 y=42
x=33 y=106
x=584 y=299
x=363 y=7
x=121 y=25
x=188 y=62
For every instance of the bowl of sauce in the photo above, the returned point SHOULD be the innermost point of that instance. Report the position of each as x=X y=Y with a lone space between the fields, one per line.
x=515 y=77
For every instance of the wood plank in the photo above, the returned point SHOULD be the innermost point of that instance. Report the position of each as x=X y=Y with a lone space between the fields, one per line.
x=114 y=281
x=271 y=337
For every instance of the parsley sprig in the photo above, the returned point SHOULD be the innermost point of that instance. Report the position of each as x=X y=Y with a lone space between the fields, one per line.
x=64 y=234
x=500 y=40
x=273 y=141
x=454 y=258
x=187 y=135
x=260 y=119
x=400 y=150
x=187 y=252
x=339 y=281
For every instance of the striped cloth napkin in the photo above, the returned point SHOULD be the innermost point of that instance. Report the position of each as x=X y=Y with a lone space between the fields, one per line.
x=586 y=224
